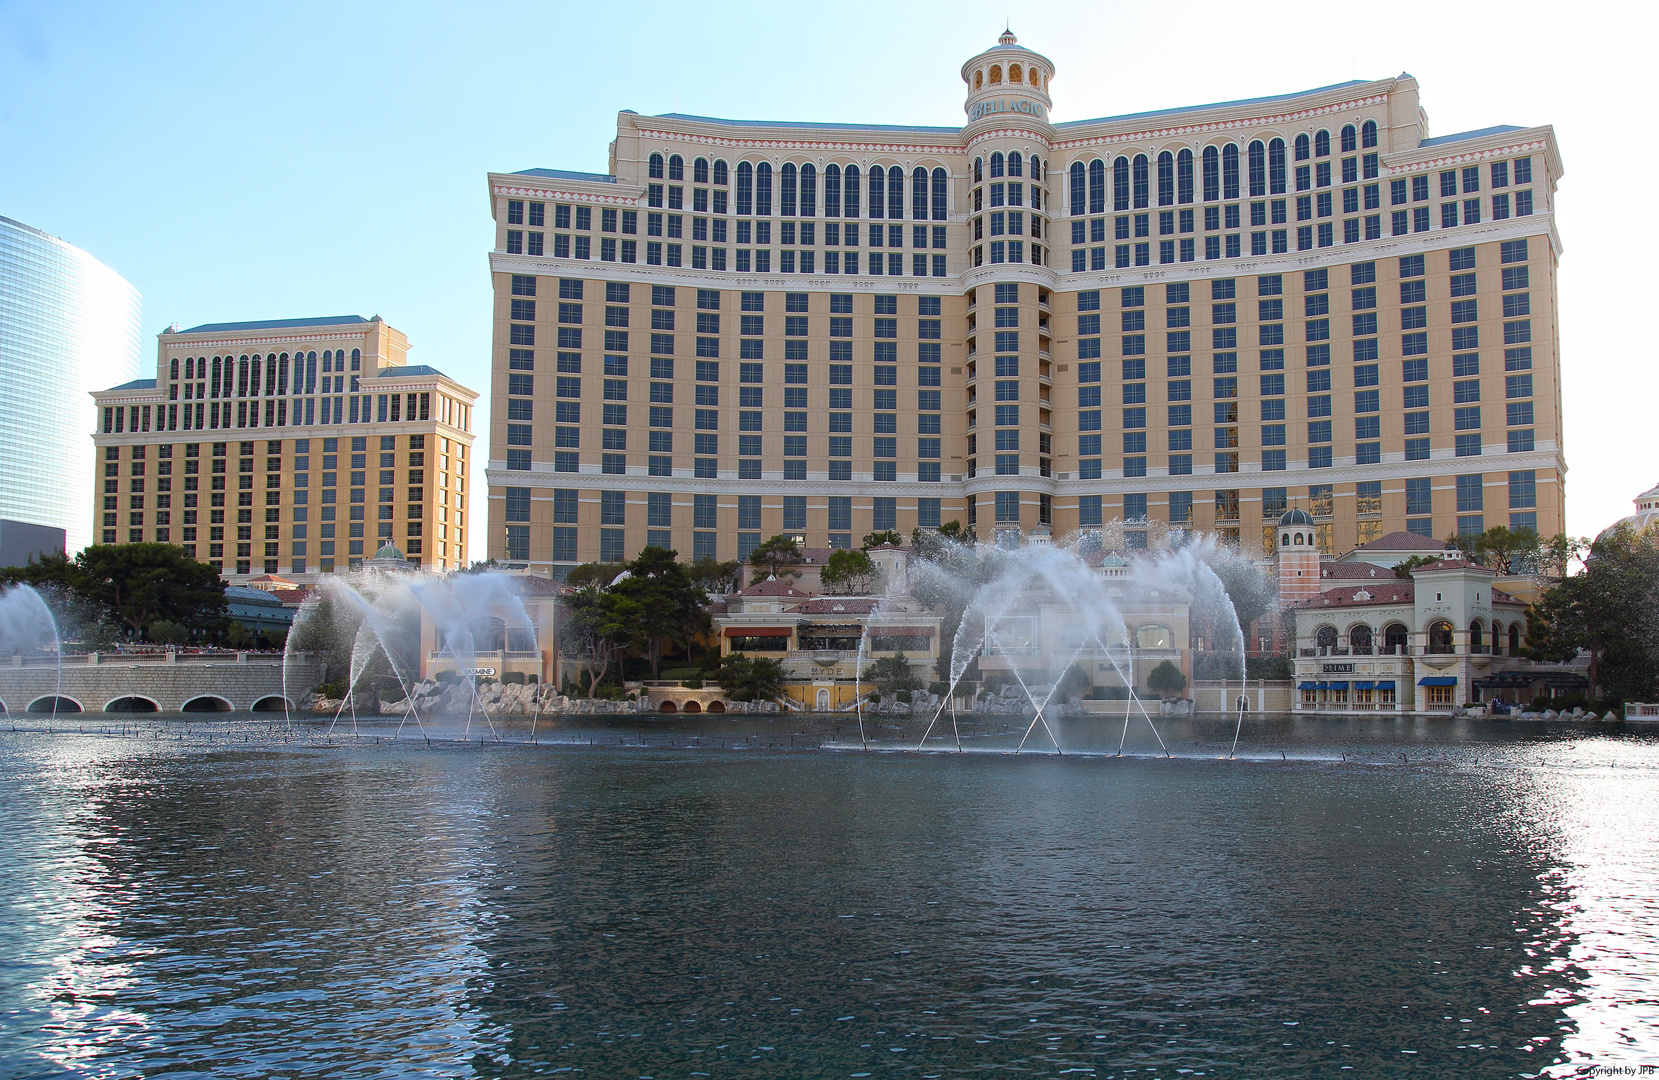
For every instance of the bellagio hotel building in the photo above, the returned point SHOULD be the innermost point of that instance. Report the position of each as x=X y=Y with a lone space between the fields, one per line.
x=293 y=447
x=1187 y=319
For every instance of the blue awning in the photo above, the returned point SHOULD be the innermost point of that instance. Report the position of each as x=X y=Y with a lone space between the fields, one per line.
x=1437 y=680
x=1343 y=685
x=1385 y=684
x=1365 y=684
x=1308 y=686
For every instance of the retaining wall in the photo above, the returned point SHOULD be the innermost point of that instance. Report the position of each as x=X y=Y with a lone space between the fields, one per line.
x=166 y=682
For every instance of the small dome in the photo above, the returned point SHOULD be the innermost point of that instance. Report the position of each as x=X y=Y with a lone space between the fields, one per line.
x=1295 y=516
x=1007 y=38
x=1113 y=560
x=390 y=553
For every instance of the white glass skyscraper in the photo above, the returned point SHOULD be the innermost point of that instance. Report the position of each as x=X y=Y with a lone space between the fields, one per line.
x=69 y=325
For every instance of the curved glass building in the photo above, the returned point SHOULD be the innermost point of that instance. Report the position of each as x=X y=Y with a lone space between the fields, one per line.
x=69 y=325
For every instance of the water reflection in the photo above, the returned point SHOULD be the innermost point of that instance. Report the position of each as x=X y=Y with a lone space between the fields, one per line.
x=508 y=911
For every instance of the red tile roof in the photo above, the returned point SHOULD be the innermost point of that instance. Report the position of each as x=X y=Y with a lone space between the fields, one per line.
x=1390 y=590
x=771 y=587
x=834 y=605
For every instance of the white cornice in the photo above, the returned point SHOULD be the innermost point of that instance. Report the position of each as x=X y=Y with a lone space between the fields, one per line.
x=191 y=343
x=828 y=146
x=527 y=189
x=1243 y=122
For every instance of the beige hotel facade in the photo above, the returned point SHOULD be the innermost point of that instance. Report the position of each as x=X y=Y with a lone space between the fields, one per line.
x=1187 y=319
x=293 y=447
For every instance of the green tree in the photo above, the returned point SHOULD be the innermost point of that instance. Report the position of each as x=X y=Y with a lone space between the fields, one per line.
x=237 y=636
x=1610 y=610
x=885 y=536
x=714 y=576
x=779 y=556
x=1166 y=679
x=894 y=673
x=598 y=627
x=850 y=573
x=669 y=602
x=598 y=574
x=1251 y=589
x=166 y=632
x=57 y=579
x=750 y=678
x=1404 y=569
x=142 y=583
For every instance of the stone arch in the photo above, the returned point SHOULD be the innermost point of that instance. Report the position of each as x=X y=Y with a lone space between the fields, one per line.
x=1325 y=637
x=1396 y=637
x=996 y=74
x=1033 y=79
x=51 y=703
x=823 y=701
x=1016 y=74
x=132 y=703
x=717 y=706
x=272 y=703
x=979 y=79
x=668 y=706
x=207 y=703
x=1439 y=636
x=692 y=707
x=1477 y=636
x=1359 y=639
x=1514 y=639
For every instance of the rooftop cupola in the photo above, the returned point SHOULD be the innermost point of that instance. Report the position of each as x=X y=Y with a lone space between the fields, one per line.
x=1007 y=82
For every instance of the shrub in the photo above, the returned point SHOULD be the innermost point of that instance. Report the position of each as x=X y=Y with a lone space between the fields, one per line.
x=692 y=684
x=1166 y=679
x=333 y=689
x=1267 y=667
x=938 y=689
x=904 y=696
x=512 y=678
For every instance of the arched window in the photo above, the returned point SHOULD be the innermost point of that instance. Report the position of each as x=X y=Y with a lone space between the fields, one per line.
x=1284 y=539
x=1359 y=640
x=1183 y=177
x=656 y=166
x=1321 y=143
x=918 y=193
x=979 y=79
x=1514 y=639
x=173 y=370
x=1079 y=190
x=786 y=189
x=878 y=191
x=1143 y=181
x=720 y=172
x=1298 y=539
x=1440 y=637
x=763 y=190
x=1036 y=168
x=1015 y=73
x=1120 y=184
x=745 y=188
x=832 y=191
x=849 y=192
x=1258 y=168
x=1229 y=171
x=941 y=195
x=1153 y=637
x=1395 y=637
x=1166 y=179
x=1302 y=147
x=895 y=193
x=1276 y=167
x=1033 y=77
x=1368 y=134
x=979 y=170
x=700 y=171
x=1097 y=186
x=1212 y=174
x=676 y=168
x=1497 y=638
x=996 y=164
x=996 y=74
x=1350 y=139
x=809 y=190
x=1325 y=637
x=1016 y=164
x=1477 y=636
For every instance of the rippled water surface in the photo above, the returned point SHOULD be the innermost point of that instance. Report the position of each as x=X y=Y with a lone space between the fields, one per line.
x=725 y=898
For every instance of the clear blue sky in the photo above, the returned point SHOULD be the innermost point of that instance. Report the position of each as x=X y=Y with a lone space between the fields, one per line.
x=247 y=161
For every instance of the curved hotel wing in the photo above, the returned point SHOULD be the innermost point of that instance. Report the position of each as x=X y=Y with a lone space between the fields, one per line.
x=1182 y=319
x=68 y=325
